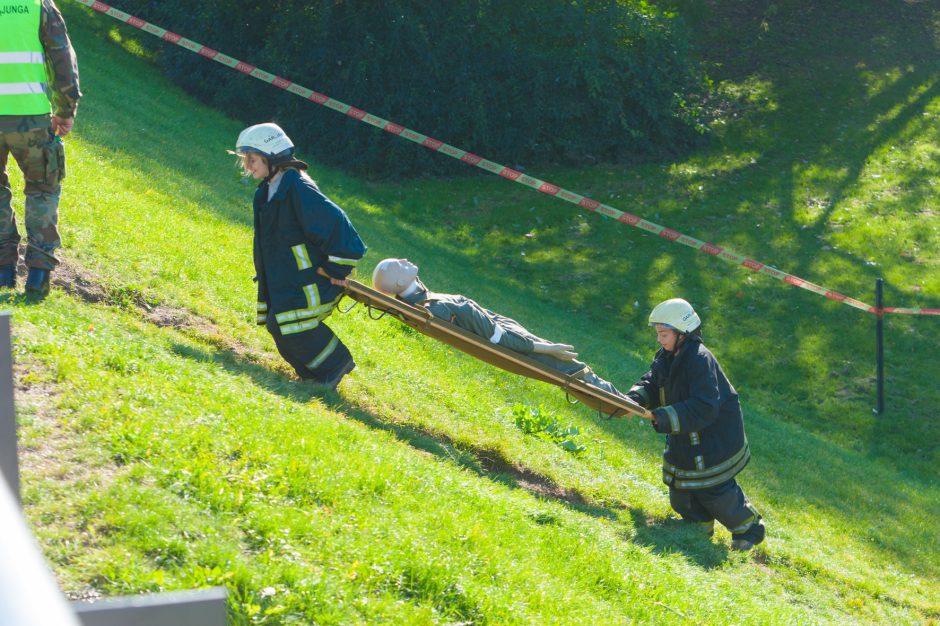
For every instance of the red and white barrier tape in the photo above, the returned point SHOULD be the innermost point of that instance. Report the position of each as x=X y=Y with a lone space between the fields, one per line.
x=491 y=166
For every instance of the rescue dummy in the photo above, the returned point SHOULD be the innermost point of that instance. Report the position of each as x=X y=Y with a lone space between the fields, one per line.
x=304 y=248
x=698 y=410
x=399 y=277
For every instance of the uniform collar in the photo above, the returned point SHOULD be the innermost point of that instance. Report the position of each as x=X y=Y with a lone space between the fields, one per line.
x=283 y=183
x=419 y=295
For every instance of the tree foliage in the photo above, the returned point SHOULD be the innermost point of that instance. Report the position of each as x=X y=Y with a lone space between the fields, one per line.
x=522 y=82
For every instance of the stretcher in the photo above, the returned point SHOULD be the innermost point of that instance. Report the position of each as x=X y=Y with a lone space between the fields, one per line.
x=421 y=319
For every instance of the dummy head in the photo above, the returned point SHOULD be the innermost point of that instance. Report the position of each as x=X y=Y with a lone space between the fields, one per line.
x=394 y=276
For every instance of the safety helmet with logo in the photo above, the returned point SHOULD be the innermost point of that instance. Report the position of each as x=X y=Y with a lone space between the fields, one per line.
x=677 y=314
x=268 y=140
x=393 y=276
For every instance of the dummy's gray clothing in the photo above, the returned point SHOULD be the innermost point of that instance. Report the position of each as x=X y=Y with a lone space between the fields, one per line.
x=470 y=316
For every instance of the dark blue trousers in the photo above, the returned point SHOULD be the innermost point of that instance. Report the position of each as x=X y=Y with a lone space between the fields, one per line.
x=314 y=354
x=726 y=503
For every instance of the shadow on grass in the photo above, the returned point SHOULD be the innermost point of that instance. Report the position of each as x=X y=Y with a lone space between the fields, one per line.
x=13 y=297
x=486 y=463
x=672 y=535
x=662 y=536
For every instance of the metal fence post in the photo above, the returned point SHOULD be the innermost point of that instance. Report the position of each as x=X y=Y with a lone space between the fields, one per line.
x=880 y=347
x=8 y=461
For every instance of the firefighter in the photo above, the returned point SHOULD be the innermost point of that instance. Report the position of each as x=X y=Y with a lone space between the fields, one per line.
x=37 y=64
x=399 y=277
x=697 y=409
x=304 y=248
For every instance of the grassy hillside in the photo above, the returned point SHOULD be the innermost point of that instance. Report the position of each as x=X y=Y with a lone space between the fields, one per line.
x=167 y=447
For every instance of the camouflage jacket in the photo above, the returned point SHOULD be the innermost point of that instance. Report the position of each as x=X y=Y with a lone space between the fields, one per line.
x=62 y=67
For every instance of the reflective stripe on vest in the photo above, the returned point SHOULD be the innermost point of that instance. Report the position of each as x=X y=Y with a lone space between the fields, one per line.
x=9 y=58
x=23 y=82
x=16 y=89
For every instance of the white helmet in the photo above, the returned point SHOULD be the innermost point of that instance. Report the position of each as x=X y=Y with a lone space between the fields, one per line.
x=265 y=139
x=393 y=276
x=677 y=314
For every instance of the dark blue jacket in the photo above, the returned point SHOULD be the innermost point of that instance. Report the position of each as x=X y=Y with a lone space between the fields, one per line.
x=707 y=445
x=297 y=231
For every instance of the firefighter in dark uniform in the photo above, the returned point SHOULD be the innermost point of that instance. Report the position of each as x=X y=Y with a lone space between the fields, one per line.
x=39 y=96
x=697 y=409
x=304 y=248
x=399 y=277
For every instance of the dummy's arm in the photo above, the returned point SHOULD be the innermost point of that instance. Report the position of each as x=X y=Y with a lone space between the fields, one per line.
x=560 y=351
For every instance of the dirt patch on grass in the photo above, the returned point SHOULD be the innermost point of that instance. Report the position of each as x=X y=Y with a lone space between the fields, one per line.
x=48 y=447
x=542 y=486
x=73 y=282
x=84 y=285
x=58 y=468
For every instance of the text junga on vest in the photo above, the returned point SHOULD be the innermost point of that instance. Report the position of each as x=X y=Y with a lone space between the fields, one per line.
x=21 y=9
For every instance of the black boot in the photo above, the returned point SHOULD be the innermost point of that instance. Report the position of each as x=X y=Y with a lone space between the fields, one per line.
x=333 y=380
x=37 y=281
x=8 y=276
x=751 y=537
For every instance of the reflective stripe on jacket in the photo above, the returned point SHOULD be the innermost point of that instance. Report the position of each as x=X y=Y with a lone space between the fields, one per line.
x=23 y=82
x=298 y=231
x=707 y=445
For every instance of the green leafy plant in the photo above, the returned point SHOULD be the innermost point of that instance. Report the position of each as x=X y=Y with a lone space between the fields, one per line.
x=539 y=422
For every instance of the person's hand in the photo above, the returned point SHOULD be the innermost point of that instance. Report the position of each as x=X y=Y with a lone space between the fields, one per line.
x=339 y=282
x=561 y=351
x=661 y=421
x=62 y=126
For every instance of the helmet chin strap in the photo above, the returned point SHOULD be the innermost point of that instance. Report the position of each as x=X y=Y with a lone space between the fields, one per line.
x=280 y=166
x=683 y=337
x=680 y=339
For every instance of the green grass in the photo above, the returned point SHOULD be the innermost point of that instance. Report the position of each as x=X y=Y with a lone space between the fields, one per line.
x=167 y=446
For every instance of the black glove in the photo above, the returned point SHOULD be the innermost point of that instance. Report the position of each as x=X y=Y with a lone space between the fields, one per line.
x=661 y=422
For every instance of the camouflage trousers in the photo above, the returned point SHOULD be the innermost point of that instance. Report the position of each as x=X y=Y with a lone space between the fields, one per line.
x=41 y=157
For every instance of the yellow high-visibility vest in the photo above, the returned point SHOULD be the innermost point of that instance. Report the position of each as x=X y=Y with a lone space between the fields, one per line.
x=24 y=85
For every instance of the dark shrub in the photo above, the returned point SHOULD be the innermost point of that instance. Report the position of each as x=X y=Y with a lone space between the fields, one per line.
x=519 y=82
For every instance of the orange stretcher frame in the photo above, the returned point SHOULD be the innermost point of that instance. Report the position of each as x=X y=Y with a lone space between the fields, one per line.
x=424 y=322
